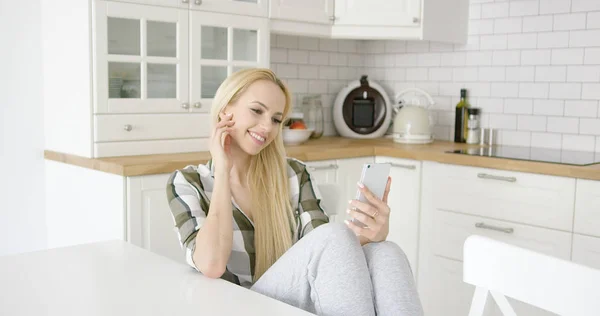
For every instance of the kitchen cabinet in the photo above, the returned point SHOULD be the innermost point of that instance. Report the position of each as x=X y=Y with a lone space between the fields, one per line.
x=434 y=20
x=586 y=250
x=587 y=208
x=241 y=7
x=149 y=78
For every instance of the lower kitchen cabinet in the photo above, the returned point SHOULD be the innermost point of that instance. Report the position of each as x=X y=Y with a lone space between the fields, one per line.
x=586 y=250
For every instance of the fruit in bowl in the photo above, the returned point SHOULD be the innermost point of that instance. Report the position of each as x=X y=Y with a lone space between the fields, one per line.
x=296 y=136
x=298 y=125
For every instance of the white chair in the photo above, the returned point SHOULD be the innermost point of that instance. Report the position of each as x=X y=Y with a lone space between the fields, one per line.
x=550 y=283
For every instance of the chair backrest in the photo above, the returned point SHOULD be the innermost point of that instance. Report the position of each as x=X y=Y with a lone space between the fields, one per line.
x=556 y=285
x=330 y=195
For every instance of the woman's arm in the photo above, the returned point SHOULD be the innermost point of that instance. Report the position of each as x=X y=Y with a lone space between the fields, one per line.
x=214 y=240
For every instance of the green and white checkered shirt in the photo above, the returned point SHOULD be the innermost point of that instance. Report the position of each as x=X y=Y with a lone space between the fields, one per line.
x=189 y=191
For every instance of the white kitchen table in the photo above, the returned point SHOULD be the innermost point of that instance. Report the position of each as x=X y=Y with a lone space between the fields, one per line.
x=117 y=278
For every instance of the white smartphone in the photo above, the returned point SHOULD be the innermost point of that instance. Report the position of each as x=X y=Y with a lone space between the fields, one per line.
x=374 y=176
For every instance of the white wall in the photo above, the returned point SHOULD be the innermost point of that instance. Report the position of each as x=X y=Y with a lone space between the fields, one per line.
x=22 y=214
x=533 y=66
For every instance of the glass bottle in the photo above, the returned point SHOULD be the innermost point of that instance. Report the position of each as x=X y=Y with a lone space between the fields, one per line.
x=313 y=114
x=460 y=120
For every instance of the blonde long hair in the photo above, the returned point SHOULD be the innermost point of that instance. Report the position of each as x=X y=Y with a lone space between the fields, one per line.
x=274 y=223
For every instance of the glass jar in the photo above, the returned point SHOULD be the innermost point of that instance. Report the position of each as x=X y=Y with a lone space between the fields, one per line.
x=312 y=108
x=473 y=126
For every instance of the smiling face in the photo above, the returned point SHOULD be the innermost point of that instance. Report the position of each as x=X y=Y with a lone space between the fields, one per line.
x=257 y=113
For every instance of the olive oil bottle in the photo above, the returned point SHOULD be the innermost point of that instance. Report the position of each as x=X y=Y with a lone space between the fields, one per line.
x=460 y=120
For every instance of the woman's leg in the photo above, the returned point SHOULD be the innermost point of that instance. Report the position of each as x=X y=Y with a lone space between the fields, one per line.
x=392 y=279
x=325 y=273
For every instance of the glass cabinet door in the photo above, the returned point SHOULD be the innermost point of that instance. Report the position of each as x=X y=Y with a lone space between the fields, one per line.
x=220 y=45
x=257 y=8
x=142 y=59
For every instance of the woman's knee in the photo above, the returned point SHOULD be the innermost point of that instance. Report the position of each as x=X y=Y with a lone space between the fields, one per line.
x=386 y=249
x=337 y=232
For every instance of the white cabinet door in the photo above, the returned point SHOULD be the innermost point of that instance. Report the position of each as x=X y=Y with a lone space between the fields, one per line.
x=378 y=12
x=242 y=7
x=587 y=208
x=403 y=201
x=222 y=44
x=312 y=11
x=348 y=176
x=168 y=3
x=150 y=224
x=324 y=174
x=586 y=250
x=141 y=58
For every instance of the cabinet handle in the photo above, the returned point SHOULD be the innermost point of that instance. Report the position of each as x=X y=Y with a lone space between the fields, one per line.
x=415 y=20
x=128 y=127
x=403 y=166
x=198 y=2
x=331 y=166
x=332 y=18
x=185 y=105
x=496 y=228
x=197 y=105
x=492 y=177
x=184 y=1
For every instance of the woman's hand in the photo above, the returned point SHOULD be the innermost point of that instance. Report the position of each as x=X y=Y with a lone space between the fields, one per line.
x=375 y=215
x=220 y=142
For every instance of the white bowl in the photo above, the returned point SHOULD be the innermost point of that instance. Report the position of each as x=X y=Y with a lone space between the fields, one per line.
x=296 y=136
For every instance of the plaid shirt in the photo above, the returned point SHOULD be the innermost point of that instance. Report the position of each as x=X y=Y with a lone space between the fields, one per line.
x=189 y=191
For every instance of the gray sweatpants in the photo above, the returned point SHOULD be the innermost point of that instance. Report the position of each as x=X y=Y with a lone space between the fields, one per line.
x=327 y=272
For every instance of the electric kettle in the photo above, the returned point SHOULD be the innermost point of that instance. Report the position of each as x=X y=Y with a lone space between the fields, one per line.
x=412 y=123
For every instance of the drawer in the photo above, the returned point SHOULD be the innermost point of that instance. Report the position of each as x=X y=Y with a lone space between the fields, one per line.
x=450 y=230
x=534 y=199
x=586 y=250
x=109 y=128
x=323 y=171
x=587 y=208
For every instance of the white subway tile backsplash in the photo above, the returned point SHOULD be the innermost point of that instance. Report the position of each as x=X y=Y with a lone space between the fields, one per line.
x=308 y=72
x=395 y=46
x=436 y=47
x=416 y=74
x=472 y=44
x=565 y=91
x=317 y=86
x=491 y=105
x=523 y=8
x=593 y=20
x=503 y=121
x=568 y=56
x=515 y=138
x=298 y=85
x=536 y=57
x=578 y=142
x=518 y=106
x=492 y=73
x=328 y=45
x=335 y=86
x=479 y=27
x=475 y=11
x=450 y=89
x=479 y=58
x=583 y=74
x=520 y=74
x=550 y=73
x=590 y=91
x=588 y=38
x=308 y=43
x=598 y=144
x=406 y=60
x=493 y=42
x=287 y=41
x=555 y=6
x=506 y=58
x=348 y=73
x=589 y=126
x=440 y=74
x=279 y=55
x=298 y=56
x=563 y=125
x=355 y=60
x=585 y=5
x=540 y=23
x=465 y=74
x=548 y=107
x=533 y=90
x=347 y=46
x=318 y=58
x=494 y=10
x=338 y=59
x=569 y=22
x=287 y=71
x=592 y=56
x=546 y=140
x=479 y=89
x=553 y=40
x=417 y=47
x=521 y=41
x=395 y=74
x=328 y=73
x=531 y=123
x=429 y=60
x=579 y=108
x=505 y=90
x=454 y=59
x=507 y=25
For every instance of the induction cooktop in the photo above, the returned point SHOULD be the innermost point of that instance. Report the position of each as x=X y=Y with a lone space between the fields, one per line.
x=567 y=157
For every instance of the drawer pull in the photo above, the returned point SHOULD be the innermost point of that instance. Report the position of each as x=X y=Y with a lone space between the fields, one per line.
x=496 y=228
x=403 y=166
x=492 y=177
x=128 y=127
x=331 y=166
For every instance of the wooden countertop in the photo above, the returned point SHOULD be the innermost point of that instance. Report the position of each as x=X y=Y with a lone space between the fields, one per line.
x=331 y=148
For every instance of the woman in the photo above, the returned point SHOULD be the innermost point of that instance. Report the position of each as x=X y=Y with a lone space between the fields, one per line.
x=254 y=218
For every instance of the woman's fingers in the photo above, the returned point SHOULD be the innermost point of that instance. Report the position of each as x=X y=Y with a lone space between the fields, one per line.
x=387 y=190
x=362 y=217
x=374 y=200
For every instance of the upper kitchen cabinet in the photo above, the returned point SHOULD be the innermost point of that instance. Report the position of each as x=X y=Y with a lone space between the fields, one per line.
x=220 y=45
x=241 y=7
x=141 y=60
x=433 y=20
x=302 y=17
